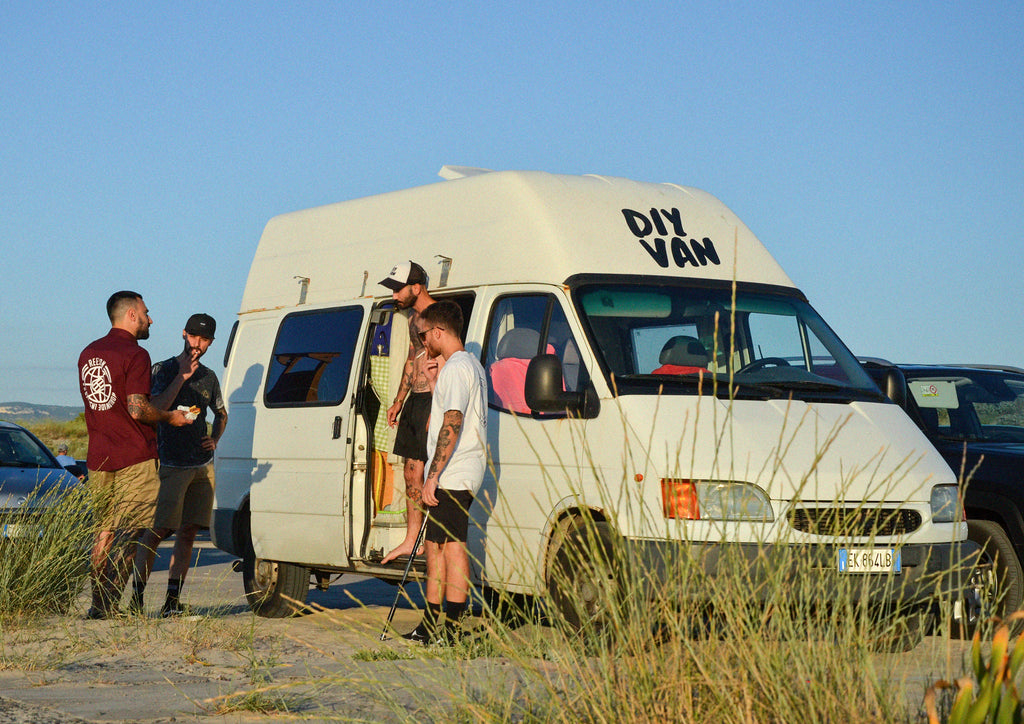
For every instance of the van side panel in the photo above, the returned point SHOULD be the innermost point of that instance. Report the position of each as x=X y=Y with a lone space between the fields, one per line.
x=235 y=462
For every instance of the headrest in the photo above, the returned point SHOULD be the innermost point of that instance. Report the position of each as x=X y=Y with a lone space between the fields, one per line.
x=520 y=342
x=685 y=352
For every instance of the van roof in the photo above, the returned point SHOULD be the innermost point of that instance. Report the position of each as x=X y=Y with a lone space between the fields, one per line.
x=503 y=227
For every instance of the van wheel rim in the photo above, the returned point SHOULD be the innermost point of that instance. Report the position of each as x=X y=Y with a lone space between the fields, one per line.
x=265 y=574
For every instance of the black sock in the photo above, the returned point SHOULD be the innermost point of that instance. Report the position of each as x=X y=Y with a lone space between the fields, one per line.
x=139 y=589
x=173 y=590
x=430 y=615
x=454 y=612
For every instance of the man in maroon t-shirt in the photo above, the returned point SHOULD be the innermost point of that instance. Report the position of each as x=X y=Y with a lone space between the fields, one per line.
x=114 y=376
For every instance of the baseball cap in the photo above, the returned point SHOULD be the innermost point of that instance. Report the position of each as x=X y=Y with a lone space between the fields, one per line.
x=404 y=273
x=201 y=325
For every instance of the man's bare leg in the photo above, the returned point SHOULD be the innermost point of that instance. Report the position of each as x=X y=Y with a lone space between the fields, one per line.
x=145 y=552
x=99 y=570
x=413 y=473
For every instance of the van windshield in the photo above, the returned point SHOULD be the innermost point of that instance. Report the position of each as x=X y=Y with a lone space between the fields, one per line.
x=657 y=338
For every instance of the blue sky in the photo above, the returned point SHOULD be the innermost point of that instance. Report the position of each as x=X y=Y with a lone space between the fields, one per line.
x=875 y=148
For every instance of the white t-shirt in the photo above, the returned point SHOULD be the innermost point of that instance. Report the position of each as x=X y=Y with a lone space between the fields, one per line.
x=461 y=386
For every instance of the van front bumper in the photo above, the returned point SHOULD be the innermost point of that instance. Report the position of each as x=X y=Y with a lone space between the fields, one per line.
x=928 y=571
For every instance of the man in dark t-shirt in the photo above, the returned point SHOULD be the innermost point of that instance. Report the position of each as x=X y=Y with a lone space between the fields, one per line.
x=185 y=502
x=114 y=378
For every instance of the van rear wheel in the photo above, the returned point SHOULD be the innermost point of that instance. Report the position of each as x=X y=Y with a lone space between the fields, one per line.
x=272 y=589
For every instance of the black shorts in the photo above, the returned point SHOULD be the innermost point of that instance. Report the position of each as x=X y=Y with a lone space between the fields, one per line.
x=449 y=519
x=411 y=437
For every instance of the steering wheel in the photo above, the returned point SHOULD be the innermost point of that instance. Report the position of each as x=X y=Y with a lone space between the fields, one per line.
x=763 y=362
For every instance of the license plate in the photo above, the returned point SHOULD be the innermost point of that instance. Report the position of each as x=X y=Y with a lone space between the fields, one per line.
x=20 y=530
x=869 y=560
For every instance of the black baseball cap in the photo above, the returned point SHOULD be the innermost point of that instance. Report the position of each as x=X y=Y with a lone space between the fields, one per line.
x=201 y=325
x=403 y=274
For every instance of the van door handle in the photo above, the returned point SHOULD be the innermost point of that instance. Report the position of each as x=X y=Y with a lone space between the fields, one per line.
x=337 y=427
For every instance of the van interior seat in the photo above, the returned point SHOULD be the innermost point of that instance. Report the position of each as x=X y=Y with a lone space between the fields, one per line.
x=508 y=372
x=682 y=355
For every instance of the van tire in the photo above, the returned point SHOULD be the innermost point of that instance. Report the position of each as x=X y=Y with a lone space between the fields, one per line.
x=997 y=583
x=582 y=579
x=272 y=589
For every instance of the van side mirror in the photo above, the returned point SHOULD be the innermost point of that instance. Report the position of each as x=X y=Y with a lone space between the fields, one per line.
x=545 y=391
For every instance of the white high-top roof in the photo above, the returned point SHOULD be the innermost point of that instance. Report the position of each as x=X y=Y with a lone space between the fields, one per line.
x=503 y=227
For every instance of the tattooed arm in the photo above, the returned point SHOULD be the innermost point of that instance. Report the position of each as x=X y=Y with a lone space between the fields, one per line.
x=447 y=439
x=403 y=387
x=141 y=410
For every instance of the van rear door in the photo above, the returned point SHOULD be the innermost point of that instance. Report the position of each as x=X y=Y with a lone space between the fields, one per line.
x=302 y=446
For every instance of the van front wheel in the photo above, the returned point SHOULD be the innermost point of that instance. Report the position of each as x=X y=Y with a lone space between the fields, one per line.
x=996 y=587
x=582 y=580
x=273 y=590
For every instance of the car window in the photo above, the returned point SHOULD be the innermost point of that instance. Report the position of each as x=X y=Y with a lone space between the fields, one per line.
x=18 y=449
x=523 y=326
x=312 y=357
x=971 y=405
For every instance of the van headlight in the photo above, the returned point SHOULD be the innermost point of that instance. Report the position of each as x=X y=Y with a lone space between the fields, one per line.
x=714 y=500
x=946 y=507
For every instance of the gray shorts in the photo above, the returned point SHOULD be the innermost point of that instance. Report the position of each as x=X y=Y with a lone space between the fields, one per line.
x=186 y=497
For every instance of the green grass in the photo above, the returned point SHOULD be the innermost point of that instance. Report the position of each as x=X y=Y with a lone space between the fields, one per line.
x=43 y=570
x=52 y=434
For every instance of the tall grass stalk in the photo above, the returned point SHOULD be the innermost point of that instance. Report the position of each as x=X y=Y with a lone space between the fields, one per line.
x=732 y=632
x=44 y=556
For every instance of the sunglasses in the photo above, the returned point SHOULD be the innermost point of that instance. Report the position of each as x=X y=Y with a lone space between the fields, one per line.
x=423 y=334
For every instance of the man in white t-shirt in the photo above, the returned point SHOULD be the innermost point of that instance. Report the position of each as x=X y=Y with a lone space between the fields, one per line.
x=457 y=446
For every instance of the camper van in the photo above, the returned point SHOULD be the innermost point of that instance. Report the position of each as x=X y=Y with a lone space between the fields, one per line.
x=650 y=367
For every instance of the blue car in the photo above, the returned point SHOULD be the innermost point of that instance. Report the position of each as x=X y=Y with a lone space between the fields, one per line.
x=30 y=476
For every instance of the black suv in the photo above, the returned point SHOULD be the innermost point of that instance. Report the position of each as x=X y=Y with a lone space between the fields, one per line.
x=974 y=415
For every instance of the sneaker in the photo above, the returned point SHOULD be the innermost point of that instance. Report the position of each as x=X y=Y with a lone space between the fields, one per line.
x=453 y=633
x=102 y=614
x=175 y=608
x=420 y=635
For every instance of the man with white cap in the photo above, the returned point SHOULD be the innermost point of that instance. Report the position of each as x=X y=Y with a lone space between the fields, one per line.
x=408 y=284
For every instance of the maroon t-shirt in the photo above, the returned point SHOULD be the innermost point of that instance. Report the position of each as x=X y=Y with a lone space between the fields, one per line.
x=110 y=369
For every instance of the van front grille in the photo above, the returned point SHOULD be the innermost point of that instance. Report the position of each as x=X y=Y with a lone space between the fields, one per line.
x=866 y=522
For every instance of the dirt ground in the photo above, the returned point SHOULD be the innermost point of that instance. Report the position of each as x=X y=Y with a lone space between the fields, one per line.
x=67 y=669
x=223 y=663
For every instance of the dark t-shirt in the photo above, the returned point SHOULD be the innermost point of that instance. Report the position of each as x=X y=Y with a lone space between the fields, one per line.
x=109 y=370
x=181 y=447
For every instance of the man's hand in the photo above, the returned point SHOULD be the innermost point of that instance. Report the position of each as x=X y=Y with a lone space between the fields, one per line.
x=208 y=443
x=430 y=492
x=393 y=411
x=188 y=366
x=178 y=419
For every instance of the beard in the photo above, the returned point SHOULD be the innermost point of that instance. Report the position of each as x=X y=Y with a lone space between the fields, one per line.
x=142 y=334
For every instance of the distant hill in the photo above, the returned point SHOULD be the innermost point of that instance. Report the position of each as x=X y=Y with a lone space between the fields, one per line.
x=27 y=412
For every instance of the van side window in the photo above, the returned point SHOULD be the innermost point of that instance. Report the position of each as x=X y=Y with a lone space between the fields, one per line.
x=312 y=357
x=523 y=326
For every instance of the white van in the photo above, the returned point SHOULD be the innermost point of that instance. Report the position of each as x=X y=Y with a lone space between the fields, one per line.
x=649 y=364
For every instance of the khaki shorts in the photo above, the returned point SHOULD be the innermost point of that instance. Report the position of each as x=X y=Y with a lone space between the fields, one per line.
x=186 y=497
x=125 y=499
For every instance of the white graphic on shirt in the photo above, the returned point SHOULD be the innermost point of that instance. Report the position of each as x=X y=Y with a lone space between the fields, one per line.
x=97 y=388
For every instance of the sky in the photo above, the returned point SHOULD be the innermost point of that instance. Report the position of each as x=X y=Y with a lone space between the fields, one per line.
x=877 y=149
